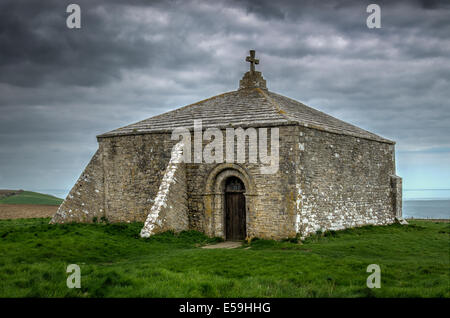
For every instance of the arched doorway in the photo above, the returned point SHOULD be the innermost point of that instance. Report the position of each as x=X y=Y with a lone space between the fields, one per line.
x=214 y=199
x=235 y=211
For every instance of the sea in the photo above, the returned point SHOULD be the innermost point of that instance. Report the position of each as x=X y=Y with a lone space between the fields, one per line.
x=426 y=203
x=417 y=203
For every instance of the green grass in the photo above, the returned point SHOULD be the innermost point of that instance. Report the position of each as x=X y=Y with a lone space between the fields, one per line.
x=28 y=197
x=115 y=262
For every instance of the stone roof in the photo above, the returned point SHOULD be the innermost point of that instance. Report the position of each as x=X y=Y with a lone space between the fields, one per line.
x=252 y=105
x=249 y=107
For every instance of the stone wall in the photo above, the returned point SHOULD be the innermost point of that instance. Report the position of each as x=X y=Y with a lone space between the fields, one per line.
x=169 y=210
x=134 y=167
x=121 y=181
x=396 y=185
x=85 y=202
x=324 y=181
x=342 y=181
x=269 y=201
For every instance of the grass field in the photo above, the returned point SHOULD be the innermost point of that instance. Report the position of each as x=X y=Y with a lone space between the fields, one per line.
x=28 y=197
x=115 y=262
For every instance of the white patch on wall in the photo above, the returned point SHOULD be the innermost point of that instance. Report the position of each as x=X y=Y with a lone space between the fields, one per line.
x=301 y=146
x=153 y=219
x=297 y=223
x=299 y=197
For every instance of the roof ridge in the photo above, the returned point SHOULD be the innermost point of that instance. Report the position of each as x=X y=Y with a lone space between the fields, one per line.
x=275 y=104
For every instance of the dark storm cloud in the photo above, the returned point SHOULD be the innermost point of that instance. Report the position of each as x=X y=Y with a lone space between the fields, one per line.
x=134 y=59
x=37 y=48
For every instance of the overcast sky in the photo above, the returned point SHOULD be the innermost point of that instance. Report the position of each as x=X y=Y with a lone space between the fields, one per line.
x=130 y=60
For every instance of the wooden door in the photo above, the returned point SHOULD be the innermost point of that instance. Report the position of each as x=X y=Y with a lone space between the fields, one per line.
x=235 y=216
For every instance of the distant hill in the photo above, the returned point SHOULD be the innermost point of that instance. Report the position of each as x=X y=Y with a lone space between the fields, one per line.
x=28 y=197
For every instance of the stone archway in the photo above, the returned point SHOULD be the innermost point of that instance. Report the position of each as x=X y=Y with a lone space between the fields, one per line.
x=214 y=198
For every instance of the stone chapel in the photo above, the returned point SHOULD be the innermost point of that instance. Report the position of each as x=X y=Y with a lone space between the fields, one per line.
x=330 y=175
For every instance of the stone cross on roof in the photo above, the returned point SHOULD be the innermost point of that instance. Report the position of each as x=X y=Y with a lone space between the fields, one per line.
x=252 y=60
x=252 y=79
